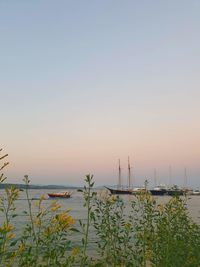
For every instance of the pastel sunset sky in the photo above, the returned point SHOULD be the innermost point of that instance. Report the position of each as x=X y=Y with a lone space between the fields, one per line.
x=84 y=83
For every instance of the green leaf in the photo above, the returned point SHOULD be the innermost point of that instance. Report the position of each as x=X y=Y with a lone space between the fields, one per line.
x=79 y=190
x=13 y=243
x=75 y=230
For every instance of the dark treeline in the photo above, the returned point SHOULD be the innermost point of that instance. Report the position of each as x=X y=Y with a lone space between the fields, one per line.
x=23 y=186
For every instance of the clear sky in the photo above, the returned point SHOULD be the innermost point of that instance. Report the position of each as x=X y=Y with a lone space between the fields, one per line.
x=84 y=83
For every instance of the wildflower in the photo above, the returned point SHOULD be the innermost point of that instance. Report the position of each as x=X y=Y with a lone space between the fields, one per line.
x=110 y=199
x=160 y=208
x=11 y=235
x=37 y=222
x=75 y=251
x=14 y=254
x=6 y=228
x=64 y=220
x=48 y=231
x=21 y=248
x=113 y=199
x=55 y=206
x=42 y=197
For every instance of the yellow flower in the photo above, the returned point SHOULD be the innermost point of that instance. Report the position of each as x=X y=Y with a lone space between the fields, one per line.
x=64 y=220
x=11 y=235
x=55 y=206
x=75 y=251
x=160 y=208
x=14 y=254
x=42 y=197
x=113 y=199
x=48 y=231
x=37 y=222
x=6 y=228
x=21 y=248
x=70 y=220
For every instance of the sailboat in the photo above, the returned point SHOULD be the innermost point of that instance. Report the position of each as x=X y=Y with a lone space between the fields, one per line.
x=120 y=190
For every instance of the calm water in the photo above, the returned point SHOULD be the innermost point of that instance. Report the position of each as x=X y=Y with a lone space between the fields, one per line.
x=75 y=204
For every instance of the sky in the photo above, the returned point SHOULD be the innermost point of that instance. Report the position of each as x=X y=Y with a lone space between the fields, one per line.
x=84 y=83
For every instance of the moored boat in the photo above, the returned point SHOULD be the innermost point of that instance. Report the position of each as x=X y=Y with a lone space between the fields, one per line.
x=158 y=191
x=64 y=194
x=175 y=192
x=195 y=192
x=120 y=190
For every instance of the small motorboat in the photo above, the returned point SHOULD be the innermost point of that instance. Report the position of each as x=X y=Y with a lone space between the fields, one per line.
x=64 y=194
x=175 y=191
x=158 y=191
x=196 y=192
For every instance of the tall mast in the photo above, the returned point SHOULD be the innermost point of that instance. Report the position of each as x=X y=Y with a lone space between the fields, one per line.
x=170 y=175
x=155 y=177
x=129 y=174
x=185 y=177
x=120 y=180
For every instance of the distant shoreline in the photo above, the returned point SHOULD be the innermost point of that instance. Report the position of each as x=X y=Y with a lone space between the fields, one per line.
x=23 y=186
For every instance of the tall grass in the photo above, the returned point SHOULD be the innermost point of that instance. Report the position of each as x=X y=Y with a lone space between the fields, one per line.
x=140 y=232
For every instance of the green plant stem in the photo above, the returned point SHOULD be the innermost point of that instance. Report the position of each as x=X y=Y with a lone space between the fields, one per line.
x=31 y=218
x=30 y=212
x=87 y=225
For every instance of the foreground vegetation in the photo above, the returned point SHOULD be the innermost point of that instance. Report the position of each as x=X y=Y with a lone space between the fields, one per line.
x=139 y=233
